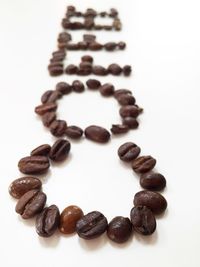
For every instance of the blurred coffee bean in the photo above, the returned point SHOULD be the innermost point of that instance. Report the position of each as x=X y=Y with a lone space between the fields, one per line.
x=64 y=88
x=71 y=69
x=78 y=86
x=93 y=84
x=107 y=89
x=48 y=118
x=114 y=69
x=131 y=122
x=119 y=129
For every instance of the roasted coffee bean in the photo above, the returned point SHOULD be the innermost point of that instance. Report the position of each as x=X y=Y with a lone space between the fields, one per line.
x=99 y=70
x=56 y=70
x=78 y=86
x=50 y=96
x=93 y=84
x=74 y=132
x=113 y=12
x=128 y=151
x=129 y=111
x=89 y=38
x=120 y=92
x=117 y=25
x=55 y=64
x=98 y=27
x=84 y=72
x=143 y=164
x=60 y=150
x=140 y=110
x=143 y=220
x=126 y=99
x=68 y=219
x=89 y=23
x=59 y=56
x=71 y=69
x=34 y=165
x=121 y=45
x=63 y=88
x=31 y=203
x=107 y=27
x=87 y=58
x=119 y=129
x=64 y=37
x=48 y=118
x=94 y=46
x=58 y=127
x=71 y=8
x=58 y=53
x=110 y=46
x=74 y=25
x=83 y=45
x=103 y=14
x=47 y=222
x=131 y=122
x=153 y=181
x=72 y=46
x=114 y=69
x=46 y=96
x=42 y=109
x=91 y=225
x=153 y=200
x=85 y=65
x=97 y=134
x=62 y=45
x=42 y=150
x=107 y=89
x=90 y=13
x=119 y=229
x=127 y=70
x=22 y=185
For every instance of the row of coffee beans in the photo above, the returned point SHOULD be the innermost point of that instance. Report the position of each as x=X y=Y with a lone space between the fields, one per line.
x=32 y=201
x=129 y=111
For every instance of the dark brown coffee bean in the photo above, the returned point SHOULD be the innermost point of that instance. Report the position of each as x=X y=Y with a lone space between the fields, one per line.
x=153 y=181
x=84 y=72
x=98 y=27
x=71 y=8
x=47 y=222
x=48 y=118
x=89 y=38
x=30 y=204
x=46 y=96
x=117 y=25
x=85 y=66
x=60 y=150
x=113 y=12
x=56 y=70
x=50 y=96
x=143 y=220
x=114 y=69
x=120 y=92
x=97 y=134
x=131 y=122
x=42 y=150
x=126 y=99
x=107 y=89
x=59 y=53
x=42 y=109
x=58 y=127
x=64 y=37
x=87 y=58
x=119 y=229
x=78 y=86
x=83 y=45
x=94 y=46
x=74 y=132
x=153 y=200
x=127 y=70
x=92 y=225
x=93 y=84
x=143 y=164
x=72 y=46
x=99 y=70
x=55 y=64
x=103 y=14
x=90 y=13
x=89 y=23
x=121 y=45
x=119 y=129
x=71 y=69
x=68 y=219
x=63 y=88
x=128 y=151
x=34 y=165
x=129 y=111
x=62 y=45
x=110 y=46
x=107 y=27
x=22 y=185
x=75 y=25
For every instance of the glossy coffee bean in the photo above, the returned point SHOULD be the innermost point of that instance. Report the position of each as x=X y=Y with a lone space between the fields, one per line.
x=84 y=72
x=131 y=122
x=87 y=58
x=68 y=219
x=99 y=70
x=46 y=95
x=22 y=185
x=91 y=225
x=78 y=86
x=87 y=66
x=128 y=151
x=64 y=88
x=74 y=132
x=121 y=45
x=93 y=84
x=119 y=129
x=129 y=111
x=30 y=204
x=71 y=69
x=143 y=164
x=42 y=150
x=120 y=92
x=58 y=127
x=153 y=181
x=107 y=89
x=143 y=220
x=153 y=200
x=110 y=46
x=34 y=165
x=114 y=69
x=56 y=70
x=127 y=70
x=60 y=150
x=97 y=134
x=126 y=99
x=119 y=229
x=48 y=118
x=44 y=108
x=50 y=96
x=94 y=46
x=47 y=222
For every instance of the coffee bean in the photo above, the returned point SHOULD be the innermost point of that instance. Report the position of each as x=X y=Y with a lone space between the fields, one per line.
x=42 y=150
x=56 y=70
x=126 y=99
x=71 y=69
x=143 y=220
x=129 y=111
x=114 y=69
x=58 y=127
x=68 y=219
x=72 y=46
x=44 y=108
x=128 y=151
x=131 y=122
x=89 y=23
x=98 y=27
x=50 y=96
x=97 y=134
x=117 y=25
x=48 y=118
x=64 y=37
x=120 y=92
x=103 y=14
x=84 y=72
x=94 y=46
x=121 y=45
x=22 y=185
x=91 y=225
x=153 y=200
x=34 y=165
x=113 y=12
x=62 y=45
x=47 y=222
x=153 y=181
x=74 y=25
x=60 y=150
x=64 y=88
x=107 y=27
x=89 y=38
x=119 y=129
x=143 y=164
x=90 y=12
x=93 y=84
x=87 y=58
x=110 y=46
x=78 y=86
x=119 y=229
x=71 y=8
x=46 y=96
x=107 y=89
x=74 y=132
x=55 y=61
x=127 y=70
x=59 y=53
x=30 y=204
x=85 y=66
x=83 y=45
x=99 y=70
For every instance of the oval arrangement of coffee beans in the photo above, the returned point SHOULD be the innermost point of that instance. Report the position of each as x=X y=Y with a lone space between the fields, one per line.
x=31 y=200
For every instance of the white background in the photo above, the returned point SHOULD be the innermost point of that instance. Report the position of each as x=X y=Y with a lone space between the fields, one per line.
x=164 y=49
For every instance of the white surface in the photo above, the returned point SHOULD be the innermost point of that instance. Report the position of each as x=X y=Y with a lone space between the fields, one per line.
x=163 y=46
